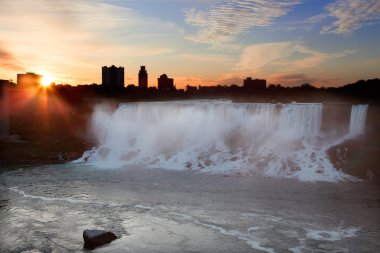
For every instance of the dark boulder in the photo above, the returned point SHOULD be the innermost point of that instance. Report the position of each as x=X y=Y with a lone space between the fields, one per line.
x=94 y=238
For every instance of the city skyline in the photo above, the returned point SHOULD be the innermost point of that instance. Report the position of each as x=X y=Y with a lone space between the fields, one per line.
x=203 y=42
x=113 y=77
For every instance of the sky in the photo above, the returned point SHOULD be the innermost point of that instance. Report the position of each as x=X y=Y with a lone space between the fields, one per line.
x=198 y=42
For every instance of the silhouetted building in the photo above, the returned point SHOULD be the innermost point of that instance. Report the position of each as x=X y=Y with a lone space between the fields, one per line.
x=113 y=77
x=143 y=78
x=255 y=84
x=165 y=83
x=6 y=83
x=29 y=80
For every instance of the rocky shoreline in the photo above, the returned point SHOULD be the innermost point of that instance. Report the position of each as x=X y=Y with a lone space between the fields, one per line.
x=357 y=158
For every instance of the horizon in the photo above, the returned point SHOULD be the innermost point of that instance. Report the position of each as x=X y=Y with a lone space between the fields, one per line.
x=46 y=82
x=289 y=42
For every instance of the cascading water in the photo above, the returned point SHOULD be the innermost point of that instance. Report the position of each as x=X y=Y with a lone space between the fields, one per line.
x=305 y=118
x=277 y=140
x=357 y=120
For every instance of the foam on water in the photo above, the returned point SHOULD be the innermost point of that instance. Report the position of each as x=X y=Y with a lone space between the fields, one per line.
x=246 y=237
x=323 y=236
x=61 y=199
x=276 y=140
x=331 y=235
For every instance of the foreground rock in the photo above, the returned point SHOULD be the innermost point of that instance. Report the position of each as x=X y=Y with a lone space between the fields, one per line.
x=94 y=238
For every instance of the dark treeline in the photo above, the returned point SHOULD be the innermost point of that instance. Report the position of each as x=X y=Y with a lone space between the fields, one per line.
x=362 y=90
x=366 y=91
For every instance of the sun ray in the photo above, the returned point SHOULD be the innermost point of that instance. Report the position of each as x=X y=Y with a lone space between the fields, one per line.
x=47 y=79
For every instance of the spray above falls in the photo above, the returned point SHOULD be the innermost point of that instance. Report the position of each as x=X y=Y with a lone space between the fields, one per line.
x=277 y=140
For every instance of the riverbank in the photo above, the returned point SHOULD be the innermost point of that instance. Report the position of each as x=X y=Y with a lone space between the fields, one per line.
x=17 y=151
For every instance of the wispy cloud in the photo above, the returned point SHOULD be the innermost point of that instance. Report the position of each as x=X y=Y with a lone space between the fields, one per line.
x=226 y=20
x=291 y=55
x=293 y=78
x=282 y=62
x=76 y=37
x=205 y=58
x=350 y=15
x=307 y=24
x=254 y=57
x=8 y=61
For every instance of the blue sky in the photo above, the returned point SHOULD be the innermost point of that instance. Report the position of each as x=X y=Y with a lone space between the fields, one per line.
x=201 y=42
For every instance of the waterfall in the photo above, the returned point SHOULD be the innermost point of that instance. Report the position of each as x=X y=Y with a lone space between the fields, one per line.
x=306 y=118
x=357 y=120
x=277 y=140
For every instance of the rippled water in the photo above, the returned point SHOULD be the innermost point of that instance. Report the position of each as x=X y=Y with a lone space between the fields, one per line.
x=46 y=209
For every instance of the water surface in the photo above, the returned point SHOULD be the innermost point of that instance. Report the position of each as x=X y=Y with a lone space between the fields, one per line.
x=46 y=209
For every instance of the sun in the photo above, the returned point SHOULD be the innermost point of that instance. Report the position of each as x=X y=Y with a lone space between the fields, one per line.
x=46 y=80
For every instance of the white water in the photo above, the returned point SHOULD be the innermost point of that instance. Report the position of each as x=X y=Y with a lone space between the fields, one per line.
x=357 y=119
x=276 y=140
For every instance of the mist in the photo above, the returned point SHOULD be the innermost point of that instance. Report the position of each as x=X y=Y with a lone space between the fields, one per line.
x=275 y=140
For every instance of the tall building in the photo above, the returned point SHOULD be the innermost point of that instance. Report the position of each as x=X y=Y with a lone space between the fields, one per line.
x=143 y=78
x=29 y=80
x=113 y=77
x=165 y=83
x=255 y=84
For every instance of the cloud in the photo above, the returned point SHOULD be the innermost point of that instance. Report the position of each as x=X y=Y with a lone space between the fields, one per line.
x=205 y=58
x=77 y=37
x=351 y=15
x=292 y=78
x=316 y=19
x=281 y=62
x=307 y=24
x=257 y=56
x=282 y=56
x=182 y=81
x=8 y=61
x=231 y=80
x=224 y=21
